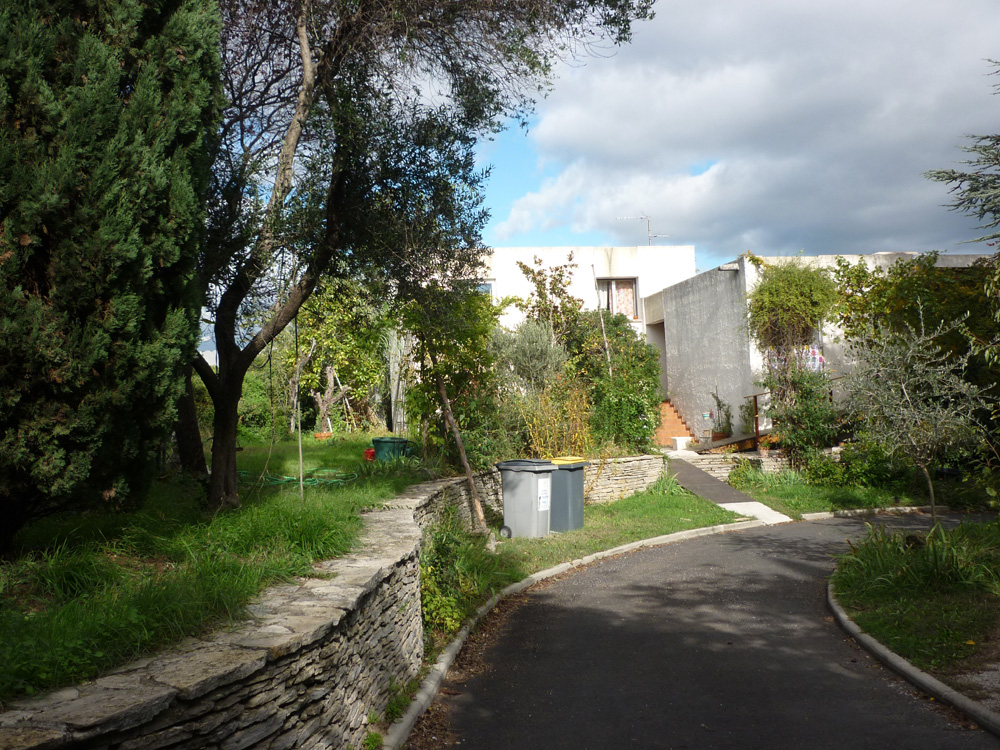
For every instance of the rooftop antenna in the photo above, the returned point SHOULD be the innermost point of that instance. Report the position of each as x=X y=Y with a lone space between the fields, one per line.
x=649 y=229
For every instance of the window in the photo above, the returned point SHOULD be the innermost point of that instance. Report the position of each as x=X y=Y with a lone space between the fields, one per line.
x=486 y=287
x=618 y=296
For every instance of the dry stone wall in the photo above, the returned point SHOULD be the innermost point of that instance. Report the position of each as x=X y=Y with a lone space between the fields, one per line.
x=720 y=464
x=612 y=479
x=318 y=656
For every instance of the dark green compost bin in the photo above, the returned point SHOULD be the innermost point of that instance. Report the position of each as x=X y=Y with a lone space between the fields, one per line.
x=387 y=448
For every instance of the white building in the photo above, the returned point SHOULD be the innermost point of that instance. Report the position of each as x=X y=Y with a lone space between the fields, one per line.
x=700 y=327
x=617 y=278
x=698 y=321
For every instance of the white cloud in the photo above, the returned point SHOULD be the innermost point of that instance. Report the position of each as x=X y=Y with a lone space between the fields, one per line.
x=818 y=121
x=211 y=356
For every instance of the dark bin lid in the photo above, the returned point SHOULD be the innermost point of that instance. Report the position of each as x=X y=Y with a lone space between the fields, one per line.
x=569 y=463
x=526 y=464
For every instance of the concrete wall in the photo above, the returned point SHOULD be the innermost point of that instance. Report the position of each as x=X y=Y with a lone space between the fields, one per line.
x=318 y=657
x=705 y=341
x=654 y=267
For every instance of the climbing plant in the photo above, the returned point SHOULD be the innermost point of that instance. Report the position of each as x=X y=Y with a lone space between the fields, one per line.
x=788 y=305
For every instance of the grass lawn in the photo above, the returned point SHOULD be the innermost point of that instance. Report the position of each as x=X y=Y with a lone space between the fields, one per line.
x=932 y=598
x=663 y=509
x=91 y=591
x=788 y=492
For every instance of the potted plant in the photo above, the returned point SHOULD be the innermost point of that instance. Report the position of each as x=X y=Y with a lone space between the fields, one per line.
x=765 y=444
x=722 y=420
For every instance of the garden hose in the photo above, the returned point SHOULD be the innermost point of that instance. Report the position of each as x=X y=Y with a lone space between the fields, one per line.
x=314 y=478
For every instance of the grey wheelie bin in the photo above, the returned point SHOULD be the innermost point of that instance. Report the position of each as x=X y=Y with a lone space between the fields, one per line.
x=567 y=493
x=527 y=497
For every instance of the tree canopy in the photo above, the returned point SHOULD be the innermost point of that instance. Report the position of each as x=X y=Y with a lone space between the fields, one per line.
x=977 y=193
x=977 y=189
x=347 y=150
x=915 y=292
x=910 y=396
x=107 y=110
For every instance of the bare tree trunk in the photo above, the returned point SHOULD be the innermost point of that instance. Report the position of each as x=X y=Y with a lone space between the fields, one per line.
x=325 y=401
x=222 y=487
x=190 y=448
x=930 y=491
x=450 y=418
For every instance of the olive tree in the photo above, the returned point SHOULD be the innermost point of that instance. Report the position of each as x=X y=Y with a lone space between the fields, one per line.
x=347 y=151
x=910 y=396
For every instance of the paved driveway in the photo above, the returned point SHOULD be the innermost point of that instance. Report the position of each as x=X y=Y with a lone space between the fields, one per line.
x=717 y=642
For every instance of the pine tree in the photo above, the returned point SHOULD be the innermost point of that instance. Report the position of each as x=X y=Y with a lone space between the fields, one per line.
x=106 y=109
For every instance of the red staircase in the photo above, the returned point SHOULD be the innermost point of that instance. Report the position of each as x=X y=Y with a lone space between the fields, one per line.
x=671 y=426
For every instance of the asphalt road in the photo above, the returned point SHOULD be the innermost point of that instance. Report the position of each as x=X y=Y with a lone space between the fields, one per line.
x=717 y=642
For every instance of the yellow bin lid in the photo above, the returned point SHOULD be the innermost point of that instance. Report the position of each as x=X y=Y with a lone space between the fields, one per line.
x=567 y=460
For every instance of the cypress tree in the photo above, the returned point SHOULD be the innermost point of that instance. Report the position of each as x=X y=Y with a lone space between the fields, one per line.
x=107 y=108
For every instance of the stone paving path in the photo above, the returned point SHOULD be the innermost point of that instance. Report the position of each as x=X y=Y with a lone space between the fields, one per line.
x=704 y=485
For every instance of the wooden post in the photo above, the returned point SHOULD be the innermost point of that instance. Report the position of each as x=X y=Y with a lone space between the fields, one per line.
x=756 y=425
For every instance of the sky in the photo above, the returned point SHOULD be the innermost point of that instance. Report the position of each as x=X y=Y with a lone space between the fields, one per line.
x=778 y=127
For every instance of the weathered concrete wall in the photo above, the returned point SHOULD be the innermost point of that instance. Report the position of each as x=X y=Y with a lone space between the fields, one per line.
x=705 y=343
x=318 y=656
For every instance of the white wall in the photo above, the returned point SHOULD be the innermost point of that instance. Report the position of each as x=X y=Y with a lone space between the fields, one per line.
x=653 y=266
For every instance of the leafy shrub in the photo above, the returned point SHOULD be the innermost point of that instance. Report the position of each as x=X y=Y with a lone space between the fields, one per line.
x=261 y=417
x=624 y=412
x=804 y=417
x=822 y=470
x=626 y=400
x=457 y=573
x=866 y=465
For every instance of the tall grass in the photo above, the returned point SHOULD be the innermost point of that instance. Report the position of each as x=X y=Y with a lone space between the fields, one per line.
x=931 y=598
x=457 y=574
x=89 y=592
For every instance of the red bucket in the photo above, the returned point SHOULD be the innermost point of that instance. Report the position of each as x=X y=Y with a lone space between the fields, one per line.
x=369 y=454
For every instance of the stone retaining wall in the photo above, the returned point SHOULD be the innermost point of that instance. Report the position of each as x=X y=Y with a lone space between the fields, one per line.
x=319 y=655
x=612 y=479
x=317 y=658
x=720 y=464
